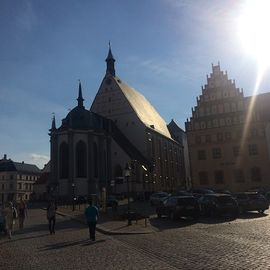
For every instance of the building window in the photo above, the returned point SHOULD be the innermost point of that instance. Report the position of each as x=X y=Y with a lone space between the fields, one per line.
x=253 y=149
x=228 y=136
x=220 y=137
x=3 y=186
x=81 y=159
x=203 y=178
x=208 y=138
x=95 y=160
x=201 y=155
x=216 y=153
x=239 y=176
x=10 y=186
x=19 y=185
x=254 y=133
x=236 y=151
x=256 y=174
x=63 y=162
x=198 y=139
x=219 y=177
x=11 y=177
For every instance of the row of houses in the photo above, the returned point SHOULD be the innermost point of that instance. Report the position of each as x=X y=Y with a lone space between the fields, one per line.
x=123 y=143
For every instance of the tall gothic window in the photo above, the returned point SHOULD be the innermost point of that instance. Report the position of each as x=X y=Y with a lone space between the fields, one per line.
x=95 y=160
x=81 y=159
x=64 y=157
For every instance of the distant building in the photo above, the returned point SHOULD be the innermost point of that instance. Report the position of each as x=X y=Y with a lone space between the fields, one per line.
x=41 y=186
x=228 y=136
x=90 y=150
x=180 y=136
x=17 y=179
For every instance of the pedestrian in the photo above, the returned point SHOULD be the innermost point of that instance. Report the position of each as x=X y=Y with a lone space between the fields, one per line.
x=10 y=216
x=91 y=214
x=22 y=213
x=51 y=213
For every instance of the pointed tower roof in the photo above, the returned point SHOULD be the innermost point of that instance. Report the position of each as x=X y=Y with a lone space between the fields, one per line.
x=53 y=123
x=80 y=98
x=110 y=63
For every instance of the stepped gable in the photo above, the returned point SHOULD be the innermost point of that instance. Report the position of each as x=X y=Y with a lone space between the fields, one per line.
x=219 y=98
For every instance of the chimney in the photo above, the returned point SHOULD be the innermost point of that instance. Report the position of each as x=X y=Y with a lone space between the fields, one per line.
x=5 y=156
x=22 y=162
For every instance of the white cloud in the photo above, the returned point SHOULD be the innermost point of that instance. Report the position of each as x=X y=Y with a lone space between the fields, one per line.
x=39 y=160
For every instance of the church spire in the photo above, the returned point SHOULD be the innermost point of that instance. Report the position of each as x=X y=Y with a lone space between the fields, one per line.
x=53 y=123
x=80 y=98
x=110 y=62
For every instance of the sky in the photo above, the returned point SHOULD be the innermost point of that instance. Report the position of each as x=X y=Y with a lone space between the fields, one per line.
x=163 y=48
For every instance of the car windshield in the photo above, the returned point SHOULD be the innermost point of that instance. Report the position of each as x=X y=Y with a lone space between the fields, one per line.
x=224 y=199
x=186 y=201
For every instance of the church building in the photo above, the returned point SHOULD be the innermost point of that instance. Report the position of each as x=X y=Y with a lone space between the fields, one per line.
x=91 y=148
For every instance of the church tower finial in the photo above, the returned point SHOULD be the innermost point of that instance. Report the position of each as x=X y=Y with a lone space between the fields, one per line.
x=110 y=62
x=80 y=98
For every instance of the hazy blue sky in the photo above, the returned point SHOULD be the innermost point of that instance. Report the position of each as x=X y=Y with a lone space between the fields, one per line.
x=163 y=48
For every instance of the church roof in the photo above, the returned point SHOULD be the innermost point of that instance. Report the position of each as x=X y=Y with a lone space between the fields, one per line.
x=79 y=117
x=143 y=108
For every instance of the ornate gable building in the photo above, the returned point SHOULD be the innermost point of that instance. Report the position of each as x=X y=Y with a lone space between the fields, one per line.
x=228 y=136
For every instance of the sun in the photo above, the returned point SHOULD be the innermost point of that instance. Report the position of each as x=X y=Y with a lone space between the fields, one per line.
x=254 y=30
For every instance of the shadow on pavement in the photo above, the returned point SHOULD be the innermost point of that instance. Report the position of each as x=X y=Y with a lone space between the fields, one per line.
x=165 y=223
x=14 y=239
x=84 y=242
x=249 y=215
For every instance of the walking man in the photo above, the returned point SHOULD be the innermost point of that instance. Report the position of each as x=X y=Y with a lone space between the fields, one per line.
x=91 y=214
x=51 y=212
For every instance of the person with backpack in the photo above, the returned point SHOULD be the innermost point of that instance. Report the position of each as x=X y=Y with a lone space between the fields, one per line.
x=10 y=216
x=91 y=214
x=51 y=213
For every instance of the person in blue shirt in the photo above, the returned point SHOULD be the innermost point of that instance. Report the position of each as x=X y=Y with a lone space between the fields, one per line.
x=91 y=214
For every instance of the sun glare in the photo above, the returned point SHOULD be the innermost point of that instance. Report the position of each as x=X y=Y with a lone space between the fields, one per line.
x=254 y=30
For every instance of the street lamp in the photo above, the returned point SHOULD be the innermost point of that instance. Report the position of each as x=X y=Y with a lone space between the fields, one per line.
x=73 y=196
x=127 y=175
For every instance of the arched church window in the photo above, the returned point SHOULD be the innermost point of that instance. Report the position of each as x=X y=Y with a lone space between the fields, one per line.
x=81 y=159
x=95 y=160
x=63 y=160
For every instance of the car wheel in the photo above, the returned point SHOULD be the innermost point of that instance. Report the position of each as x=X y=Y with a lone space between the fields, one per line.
x=261 y=211
x=172 y=216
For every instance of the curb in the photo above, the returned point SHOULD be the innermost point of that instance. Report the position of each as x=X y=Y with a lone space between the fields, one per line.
x=99 y=228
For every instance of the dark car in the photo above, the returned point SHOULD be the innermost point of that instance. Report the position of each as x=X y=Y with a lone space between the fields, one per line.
x=111 y=201
x=157 y=198
x=179 y=206
x=218 y=204
x=251 y=201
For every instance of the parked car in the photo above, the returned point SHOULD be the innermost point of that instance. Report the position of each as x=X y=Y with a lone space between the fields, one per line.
x=81 y=199
x=216 y=204
x=251 y=201
x=179 y=206
x=111 y=201
x=157 y=198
